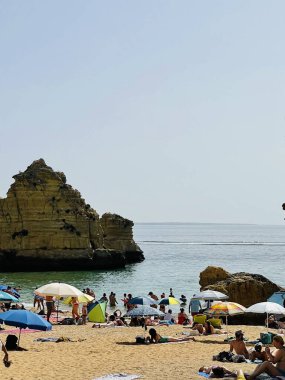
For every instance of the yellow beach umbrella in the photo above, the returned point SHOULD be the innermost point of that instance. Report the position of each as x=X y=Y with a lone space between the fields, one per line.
x=83 y=298
x=169 y=301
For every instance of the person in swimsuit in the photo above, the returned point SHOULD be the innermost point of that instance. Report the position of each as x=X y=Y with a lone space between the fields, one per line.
x=275 y=364
x=182 y=317
x=217 y=371
x=238 y=345
x=75 y=308
x=156 y=338
x=49 y=305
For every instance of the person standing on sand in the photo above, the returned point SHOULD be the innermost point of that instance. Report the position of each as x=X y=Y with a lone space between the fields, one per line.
x=49 y=305
x=84 y=313
x=75 y=308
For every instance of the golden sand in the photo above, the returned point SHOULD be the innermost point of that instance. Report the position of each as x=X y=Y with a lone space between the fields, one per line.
x=113 y=350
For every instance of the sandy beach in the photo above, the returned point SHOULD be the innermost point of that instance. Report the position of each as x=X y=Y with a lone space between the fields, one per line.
x=96 y=352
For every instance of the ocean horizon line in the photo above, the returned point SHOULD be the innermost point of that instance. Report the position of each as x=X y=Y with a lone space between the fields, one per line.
x=211 y=223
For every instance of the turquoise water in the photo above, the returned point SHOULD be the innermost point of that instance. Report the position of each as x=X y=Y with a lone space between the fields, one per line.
x=175 y=254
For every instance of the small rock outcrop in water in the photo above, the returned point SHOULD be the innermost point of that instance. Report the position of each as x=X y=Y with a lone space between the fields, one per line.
x=243 y=288
x=46 y=225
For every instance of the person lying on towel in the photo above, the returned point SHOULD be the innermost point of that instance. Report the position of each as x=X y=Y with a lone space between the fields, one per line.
x=154 y=337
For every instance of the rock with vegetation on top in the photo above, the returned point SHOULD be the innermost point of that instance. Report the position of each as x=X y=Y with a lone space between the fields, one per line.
x=46 y=225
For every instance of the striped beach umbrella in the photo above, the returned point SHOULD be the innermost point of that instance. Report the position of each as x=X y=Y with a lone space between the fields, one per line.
x=225 y=309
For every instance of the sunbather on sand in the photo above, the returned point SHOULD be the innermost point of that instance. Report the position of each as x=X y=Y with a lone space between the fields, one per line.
x=199 y=327
x=257 y=353
x=238 y=345
x=218 y=372
x=275 y=366
x=156 y=338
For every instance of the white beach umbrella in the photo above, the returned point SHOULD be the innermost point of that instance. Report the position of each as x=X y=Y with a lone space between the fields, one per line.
x=58 y=289
x=266 y=307
x=209 y=295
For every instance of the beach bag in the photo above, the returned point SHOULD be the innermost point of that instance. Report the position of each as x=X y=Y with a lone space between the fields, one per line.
x=67 y=321
x=238 y=359
x=266 y=338
x=11 y=342
x=140 y=340
x=225 y=356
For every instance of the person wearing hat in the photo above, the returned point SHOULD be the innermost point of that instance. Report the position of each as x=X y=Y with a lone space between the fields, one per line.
x=257 y=353
x=238 y=345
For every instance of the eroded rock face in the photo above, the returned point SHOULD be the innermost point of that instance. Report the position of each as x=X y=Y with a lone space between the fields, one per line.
x=243 y=288
x=211 y=275
x=45 y=224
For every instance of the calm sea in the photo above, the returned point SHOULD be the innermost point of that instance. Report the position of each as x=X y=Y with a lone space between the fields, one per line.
x=175 y=254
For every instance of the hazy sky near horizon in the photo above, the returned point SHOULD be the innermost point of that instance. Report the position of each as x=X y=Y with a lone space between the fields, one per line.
x=157 y=110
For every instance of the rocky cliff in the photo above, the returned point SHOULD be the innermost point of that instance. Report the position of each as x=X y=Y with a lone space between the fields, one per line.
x=46 y=225
x=243 y=288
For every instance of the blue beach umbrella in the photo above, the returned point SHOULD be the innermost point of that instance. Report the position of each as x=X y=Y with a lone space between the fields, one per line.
x=144 y=311
x=24 y=319
x=142 y=300
x=14 y=291
x=6 y=297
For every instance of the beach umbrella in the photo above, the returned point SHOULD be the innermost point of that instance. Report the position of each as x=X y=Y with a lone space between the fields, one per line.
x=142 y=300
x=24 y=319
x=169 y=301
x=225 y=309
x=6 y=297
x=266 y=307
x=144 y=311
x=12 y=290
x=210 y=295
x=83 y=298
x=97 y=311
x=58 y=289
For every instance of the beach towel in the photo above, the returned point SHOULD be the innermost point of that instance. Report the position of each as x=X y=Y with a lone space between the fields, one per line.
x=204 y=374
x=113 y=376
x=16 y=331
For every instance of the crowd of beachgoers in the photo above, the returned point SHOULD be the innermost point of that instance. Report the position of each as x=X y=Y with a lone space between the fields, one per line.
x=194 y=325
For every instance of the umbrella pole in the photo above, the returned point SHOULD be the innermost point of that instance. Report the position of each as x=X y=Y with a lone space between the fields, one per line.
x=57 y=311
x=19 y=337
x=267 y=322
x=227 y=327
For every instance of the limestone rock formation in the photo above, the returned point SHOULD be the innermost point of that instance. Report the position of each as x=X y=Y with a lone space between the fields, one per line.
x=211 y=275
x=243 y=288
x=45 y=224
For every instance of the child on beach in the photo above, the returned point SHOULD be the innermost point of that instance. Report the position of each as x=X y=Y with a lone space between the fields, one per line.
x=84 y=313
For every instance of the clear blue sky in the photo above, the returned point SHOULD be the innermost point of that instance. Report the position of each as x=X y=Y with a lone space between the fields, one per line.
x=156 y=110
